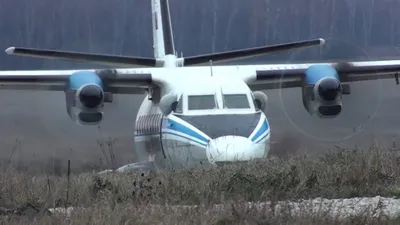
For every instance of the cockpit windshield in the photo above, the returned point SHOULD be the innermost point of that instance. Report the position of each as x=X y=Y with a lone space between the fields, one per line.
x=236 y=101
x=201 y=102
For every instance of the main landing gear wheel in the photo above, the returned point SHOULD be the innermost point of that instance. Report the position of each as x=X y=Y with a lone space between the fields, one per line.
x=133 y=167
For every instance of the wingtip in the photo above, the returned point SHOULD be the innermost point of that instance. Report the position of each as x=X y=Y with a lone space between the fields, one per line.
x=322 y=41
x=10 y=50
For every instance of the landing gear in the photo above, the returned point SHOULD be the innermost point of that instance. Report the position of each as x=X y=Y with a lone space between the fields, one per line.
x=133 y=167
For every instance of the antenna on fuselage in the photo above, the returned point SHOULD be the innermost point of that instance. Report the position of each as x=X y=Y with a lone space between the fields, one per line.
x=211 y=68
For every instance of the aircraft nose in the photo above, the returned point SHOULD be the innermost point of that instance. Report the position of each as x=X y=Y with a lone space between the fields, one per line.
x=234 y=148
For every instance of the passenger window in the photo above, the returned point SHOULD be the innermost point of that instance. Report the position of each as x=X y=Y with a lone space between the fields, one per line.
x=236 y=101
x=201 y=102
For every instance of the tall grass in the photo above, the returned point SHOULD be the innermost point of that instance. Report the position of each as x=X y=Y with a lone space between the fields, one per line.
x=130 y=198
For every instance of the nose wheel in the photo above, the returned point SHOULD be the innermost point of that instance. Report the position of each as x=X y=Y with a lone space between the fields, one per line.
x=133 y=167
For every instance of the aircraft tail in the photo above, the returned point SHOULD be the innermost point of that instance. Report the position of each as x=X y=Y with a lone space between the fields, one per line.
x=163 y=40
x=163 y=44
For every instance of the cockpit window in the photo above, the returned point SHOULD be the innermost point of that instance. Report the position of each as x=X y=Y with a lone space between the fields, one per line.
x=200 y=102
x=236 y=101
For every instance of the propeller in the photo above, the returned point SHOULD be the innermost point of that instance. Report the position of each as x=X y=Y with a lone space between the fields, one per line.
x=359 y=108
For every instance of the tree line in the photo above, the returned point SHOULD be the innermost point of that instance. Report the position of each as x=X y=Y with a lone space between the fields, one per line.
x=124 y=26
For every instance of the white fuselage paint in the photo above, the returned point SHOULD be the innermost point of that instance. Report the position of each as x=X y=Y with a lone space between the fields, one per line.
x=167 y=148
x=193 y=138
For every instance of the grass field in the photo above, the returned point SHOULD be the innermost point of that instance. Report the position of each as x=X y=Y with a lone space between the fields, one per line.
x=132 y=198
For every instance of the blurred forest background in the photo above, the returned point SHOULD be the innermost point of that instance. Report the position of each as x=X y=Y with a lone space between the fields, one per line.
x=124 y=26
x=37 y=121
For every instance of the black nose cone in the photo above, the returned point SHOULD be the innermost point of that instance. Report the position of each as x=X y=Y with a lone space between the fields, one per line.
x=91 y=96
x=329 y=89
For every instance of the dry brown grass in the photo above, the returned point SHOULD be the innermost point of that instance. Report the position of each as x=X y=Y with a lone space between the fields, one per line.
x=128 y=198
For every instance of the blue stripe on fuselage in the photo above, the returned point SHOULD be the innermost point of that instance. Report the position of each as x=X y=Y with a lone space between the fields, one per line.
x=263 y=137
x=174 y=125
x=170 y=133
x=263 y=128
x=190 y=139
x=183 y=131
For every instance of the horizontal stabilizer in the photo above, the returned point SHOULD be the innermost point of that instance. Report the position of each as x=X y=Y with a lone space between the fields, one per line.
x=111 y=60
x=249 y=52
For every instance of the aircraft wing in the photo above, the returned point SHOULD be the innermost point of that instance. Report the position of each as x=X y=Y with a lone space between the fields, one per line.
x=103 y=59
x=118 y=81
x=274 y=76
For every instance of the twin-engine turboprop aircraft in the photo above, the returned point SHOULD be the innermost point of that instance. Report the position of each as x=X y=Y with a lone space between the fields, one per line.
x=195 y=115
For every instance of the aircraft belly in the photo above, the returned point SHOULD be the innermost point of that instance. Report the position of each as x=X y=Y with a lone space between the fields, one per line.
x=140 y=150
x=148 y=134
x=174 y=152
x=146 y=146
x=183 y=153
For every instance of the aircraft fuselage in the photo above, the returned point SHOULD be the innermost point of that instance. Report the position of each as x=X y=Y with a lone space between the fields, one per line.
x=210 y=125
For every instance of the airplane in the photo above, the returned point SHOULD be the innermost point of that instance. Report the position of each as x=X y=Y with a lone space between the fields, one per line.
x=194 y=113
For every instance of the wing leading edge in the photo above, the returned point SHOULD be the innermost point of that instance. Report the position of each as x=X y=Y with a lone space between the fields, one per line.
x=258 y=77
x=119 y=81
x=276 y=76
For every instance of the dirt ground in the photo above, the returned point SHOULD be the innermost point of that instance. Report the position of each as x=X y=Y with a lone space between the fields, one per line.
x=36 y=132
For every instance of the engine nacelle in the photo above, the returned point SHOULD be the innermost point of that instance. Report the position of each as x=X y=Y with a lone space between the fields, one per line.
x=322 y=91
x=168 y=103
x=85 y=98
x=261 y=100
